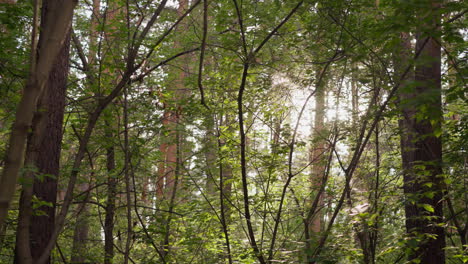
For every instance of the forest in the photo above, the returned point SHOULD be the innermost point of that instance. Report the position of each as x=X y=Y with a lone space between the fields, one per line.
x=233 y=131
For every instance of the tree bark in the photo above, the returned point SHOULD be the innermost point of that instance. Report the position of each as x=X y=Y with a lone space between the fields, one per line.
x=128 y=187
x=225 y=189
x=43 y=159
x=318 y=157
x=110 y=205
x=421 y=144
x=81 y=231
x=171 y=118
x=57 y=21
x=48 y=160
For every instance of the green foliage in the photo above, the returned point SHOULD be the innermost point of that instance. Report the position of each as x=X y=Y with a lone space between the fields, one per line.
x=349 y=46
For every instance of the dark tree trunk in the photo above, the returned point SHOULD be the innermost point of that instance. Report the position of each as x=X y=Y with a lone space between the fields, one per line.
x=422 y=147
x=48 y=160
x=110 y=206
x=225 y=189
x=43 y=153
x=52 y=38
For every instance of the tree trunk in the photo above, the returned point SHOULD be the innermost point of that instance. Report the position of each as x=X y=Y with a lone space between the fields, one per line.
x=211 y=168
x=48 y=160
x=171 y=119
x=317 y=155
x=421 y=145
x=128 y=186
x=43 y=159
x=225 y=188
x=81 y=232
x=110 y=205
x=57 y=20
x=112 y=16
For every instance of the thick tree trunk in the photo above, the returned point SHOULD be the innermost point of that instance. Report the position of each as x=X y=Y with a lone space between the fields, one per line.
x=174 y=146
x=171 y=119
x=168 y=149
x=43 y=158
x=48 y=160
x=422 y=147
x=57 y=20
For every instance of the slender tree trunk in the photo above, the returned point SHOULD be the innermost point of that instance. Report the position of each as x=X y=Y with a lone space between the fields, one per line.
x=317 y=156
x=354 y=97
x=128 y=186
x=318 y=159
x=172 y=201
x=110 y=204
x=366 y=187
x=81 y=232
x=225 y=194
x=225 y=187
x=112 y=16
x=210 y=157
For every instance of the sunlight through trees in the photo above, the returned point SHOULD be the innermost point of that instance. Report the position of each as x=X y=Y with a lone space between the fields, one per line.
x=233 y=131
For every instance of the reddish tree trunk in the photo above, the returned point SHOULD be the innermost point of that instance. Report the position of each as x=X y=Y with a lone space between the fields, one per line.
x=422 y=147
x=171 y=118
x=318 y=156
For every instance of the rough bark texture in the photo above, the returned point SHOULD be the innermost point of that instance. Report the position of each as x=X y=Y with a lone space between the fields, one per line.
x=171 y=119
x=48 y=160
x=56 y=25
x=422 y=148
x=43 y=154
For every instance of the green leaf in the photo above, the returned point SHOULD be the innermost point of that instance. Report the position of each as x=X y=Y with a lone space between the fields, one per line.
x=428 y=207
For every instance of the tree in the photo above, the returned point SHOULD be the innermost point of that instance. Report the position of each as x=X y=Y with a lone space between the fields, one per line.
x=236 y=132
x=43 y=158
x=421 y=142
x=53 y=34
